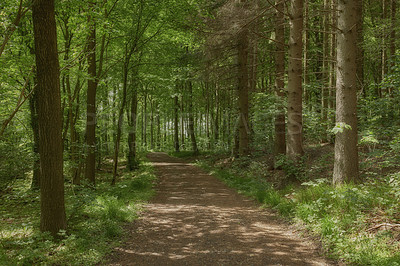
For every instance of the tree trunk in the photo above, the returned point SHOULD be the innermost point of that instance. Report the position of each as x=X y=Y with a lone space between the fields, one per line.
x=325 y=72
x=132 y=161
x=295 y=108
x=332 y=76
x=346 y=154
x=393 y=38
x=306 y=76
x=176 y=126
x=182 y=118
x=52 y=206
x=33 y=105
x=90 y=170
x=360 y=46
x=191 y=119
x=152 y=123
x=280 y=127
x=120 y=121
x=243 y=82
x=145 y=122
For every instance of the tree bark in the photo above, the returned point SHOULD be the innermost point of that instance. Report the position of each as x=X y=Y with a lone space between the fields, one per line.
x=132 y=161
x=393 y=39
x=332 y=73
x=191 y=120
x=152 y=123
x=120 y=117
x=243 y=88
x=360 y=45
x=90 y=170
x=325 y=72
x=52 y=206
x=176 y=126
x=295 y=108
x=346 y=154
x=280 y=127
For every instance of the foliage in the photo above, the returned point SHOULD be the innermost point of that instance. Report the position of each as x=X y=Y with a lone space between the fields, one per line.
x=15 y=162
x=95 y=219
x=293 y=170
x=341 y=216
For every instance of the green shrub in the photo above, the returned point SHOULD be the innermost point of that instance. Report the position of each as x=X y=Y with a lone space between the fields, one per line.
x=15 y=162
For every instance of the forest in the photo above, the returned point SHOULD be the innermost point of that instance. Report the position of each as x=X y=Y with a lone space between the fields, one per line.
x=295 y=104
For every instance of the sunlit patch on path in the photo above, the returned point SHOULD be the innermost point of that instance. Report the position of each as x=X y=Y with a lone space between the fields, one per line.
x=197 y=220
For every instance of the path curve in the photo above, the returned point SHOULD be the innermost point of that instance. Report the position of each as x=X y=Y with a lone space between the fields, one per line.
x=197 y=220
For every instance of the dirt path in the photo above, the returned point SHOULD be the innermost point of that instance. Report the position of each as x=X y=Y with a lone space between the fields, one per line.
x=196 y=220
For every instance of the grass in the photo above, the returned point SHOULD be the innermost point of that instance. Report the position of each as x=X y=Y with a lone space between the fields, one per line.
x=343 y=217
x=95 y=220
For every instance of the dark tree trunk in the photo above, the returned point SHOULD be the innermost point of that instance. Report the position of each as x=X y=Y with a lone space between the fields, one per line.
x=90 y=171
x=280 y=127
x=120 y=121
x=145 y=122
x=243 y=82
x=176 y=126
x=217 y=116
x=191 y=120
x=52 y=206
x=152 y=124
x=132 y=161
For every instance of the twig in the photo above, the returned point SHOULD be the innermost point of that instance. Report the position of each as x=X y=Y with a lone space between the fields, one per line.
x=383 y=224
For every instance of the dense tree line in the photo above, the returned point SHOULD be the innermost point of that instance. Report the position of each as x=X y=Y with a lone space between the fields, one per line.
x=107 y=79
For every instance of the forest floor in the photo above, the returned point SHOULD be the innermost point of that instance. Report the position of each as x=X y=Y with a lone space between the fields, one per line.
x=195 y=219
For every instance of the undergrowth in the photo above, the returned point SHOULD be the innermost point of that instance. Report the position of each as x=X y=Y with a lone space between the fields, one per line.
x=95 y=220
x=347 y=219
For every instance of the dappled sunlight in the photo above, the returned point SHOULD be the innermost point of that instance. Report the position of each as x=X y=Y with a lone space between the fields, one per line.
x=195 y=219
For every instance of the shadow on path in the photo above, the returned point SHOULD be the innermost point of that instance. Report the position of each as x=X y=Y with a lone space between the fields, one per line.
x=197 y=220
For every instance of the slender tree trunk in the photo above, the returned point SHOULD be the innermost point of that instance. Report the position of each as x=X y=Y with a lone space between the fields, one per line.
x=325 y=72
x=393 y=31
x=182 y=118
x=90 y=170
x=280 y=127
x=332 y=76
x=306 y=76
x=295 y=108
x=152 y=124
x=346 y=154
x=393 y=38
x=191 y=119
x=176 y=126
x=132 y=161
x=208 y=116
x=217 y=116
x=120 y=120
x=158 y=129
x=360 y=45
x=383 y=48
x=145 y=121
x=52 y=206
x=243 y=82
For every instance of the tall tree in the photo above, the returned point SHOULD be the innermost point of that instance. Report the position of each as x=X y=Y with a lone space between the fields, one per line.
x=243 y=85
x=280 y=127
x=91 y=99
x=295 y=108
x=176 y=123
x=52 y=206
x=346 y=153
x=191 y=119
x=132 y=160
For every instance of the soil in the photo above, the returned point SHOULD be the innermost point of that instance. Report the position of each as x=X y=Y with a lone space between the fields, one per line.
x=195 y=219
